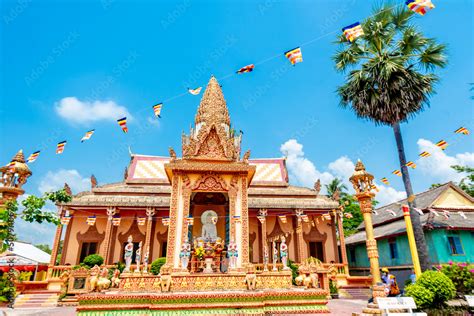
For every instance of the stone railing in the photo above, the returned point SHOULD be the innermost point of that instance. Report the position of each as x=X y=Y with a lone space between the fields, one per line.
x=54 y=272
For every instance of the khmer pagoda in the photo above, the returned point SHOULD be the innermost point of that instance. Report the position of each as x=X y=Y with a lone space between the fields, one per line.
x=228 y=225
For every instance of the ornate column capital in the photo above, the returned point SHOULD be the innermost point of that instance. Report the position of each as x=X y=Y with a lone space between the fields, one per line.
x=150 y=211
x=111 y=211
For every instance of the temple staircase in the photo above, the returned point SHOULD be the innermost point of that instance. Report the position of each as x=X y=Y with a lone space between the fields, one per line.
x=37 y=299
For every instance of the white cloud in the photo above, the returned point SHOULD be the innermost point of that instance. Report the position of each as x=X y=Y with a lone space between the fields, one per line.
x=301 y=168
x=305 y=173
x=76 y=111
x=438 y=165
x=55 y=181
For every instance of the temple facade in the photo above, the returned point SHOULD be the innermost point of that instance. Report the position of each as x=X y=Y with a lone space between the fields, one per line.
x=211 y=195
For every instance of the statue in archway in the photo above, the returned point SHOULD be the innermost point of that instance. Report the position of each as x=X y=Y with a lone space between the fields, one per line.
x=209 y=229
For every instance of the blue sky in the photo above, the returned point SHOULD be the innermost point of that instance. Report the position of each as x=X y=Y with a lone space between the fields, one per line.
x=125 y=56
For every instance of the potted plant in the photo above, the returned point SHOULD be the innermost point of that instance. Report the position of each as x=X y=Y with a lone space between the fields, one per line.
x=333 y=289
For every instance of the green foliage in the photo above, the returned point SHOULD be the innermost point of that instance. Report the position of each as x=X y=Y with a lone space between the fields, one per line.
x=422 y=296
x=25 y=276
x=92 y=260
x=467 y=183
x=294 y=270
x=120 y=266
x=332 y=287
x=439 y=284
x=7 y=289
x=461 y=276
x=156 y=265
x=8 y=215
x=44 y=247
x=351 y=206
x=33 y=207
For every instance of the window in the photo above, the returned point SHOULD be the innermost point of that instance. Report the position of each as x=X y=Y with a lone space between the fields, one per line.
x=87 y=248
x=316 y=250
x=164 y=247
x=455 y=245
x=352 y=254
x=392 y=243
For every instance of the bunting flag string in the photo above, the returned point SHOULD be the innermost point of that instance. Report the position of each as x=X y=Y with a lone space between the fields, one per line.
x=123 y=124
x=397 y=172
x=294 y=55
x=88 y=135
x=433 y=212
x=462 y=130
x=420 y=6
x=411 y=164
x=353 y=31
x=141 y=220
x=116 y=220
x=442 y=144
x=157 y=109
x=461 y=213
x=60 y=147
x=385 y=181
x=424 y=154
x=391 y=212
x=248 y=68
x=165 y=221
x=33 y=156
x=419 y=211
x=91 y=220
x=195 y=91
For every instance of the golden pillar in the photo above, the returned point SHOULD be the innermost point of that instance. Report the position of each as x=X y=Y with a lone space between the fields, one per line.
x=299 y=234
x=342 y=241
x=111 y=211
x=57 y=240
x=150 y=212
x=411 y=241
x=244 y=217
x=262 y=217
x=362 y=182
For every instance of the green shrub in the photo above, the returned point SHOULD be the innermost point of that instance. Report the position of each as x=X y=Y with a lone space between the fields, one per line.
x=439 y=284
x=156 y=265
x=6 y=290
x=332 y=287
x=92 y=260
x=120 y=266
x=422 y=296
x=294 y=270
x=462 y=277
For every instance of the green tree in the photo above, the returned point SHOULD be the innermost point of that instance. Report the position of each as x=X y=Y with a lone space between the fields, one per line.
x=44 y=247
x=389 y=80
x=336 y=185
x=467 y=183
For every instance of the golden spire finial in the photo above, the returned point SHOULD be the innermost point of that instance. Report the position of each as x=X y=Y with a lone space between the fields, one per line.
x=213 y=107
x=359 y=166
x=19 y=157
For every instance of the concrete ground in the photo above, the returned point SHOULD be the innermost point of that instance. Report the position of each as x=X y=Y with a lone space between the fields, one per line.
x=337 y=307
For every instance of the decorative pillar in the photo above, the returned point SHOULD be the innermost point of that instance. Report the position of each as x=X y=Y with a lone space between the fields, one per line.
x=362 y=183
x=334 y=235
x=343 y=242
x=244 y=216
x=149 y=213
x=57 y=240
x=186 y=205
x=175 y=227
x=411 y=241
x=111 y=211
x=262 y=217
x=299 y=234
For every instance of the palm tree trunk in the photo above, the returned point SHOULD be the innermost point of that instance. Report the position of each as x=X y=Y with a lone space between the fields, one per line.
x=415 y=217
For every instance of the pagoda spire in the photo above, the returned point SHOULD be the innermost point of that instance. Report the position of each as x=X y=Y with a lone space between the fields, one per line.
x=213 y=108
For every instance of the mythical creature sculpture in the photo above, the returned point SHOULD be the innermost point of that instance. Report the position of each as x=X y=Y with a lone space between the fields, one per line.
x=251 y=277
x=103 y=282
x=115 y=281
x=94 y=278
x=165 y=278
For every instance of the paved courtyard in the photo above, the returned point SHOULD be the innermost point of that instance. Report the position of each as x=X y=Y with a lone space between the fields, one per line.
x=337 y=307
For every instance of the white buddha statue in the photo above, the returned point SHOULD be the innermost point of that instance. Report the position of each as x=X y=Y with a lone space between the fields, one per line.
x=209 y=221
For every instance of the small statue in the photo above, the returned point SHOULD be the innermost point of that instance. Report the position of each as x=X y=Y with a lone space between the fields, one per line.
x=145 y=261
x=317 y=186
x=251 y=277
x=172 y=153
x=233 y=254
x=265 y=258
x=116 y=278
x=275 y=256
x=165 y=278
x=93 y=182
x=103 y=283
x=284 y=253
x=94 y=278
x=184 y=254
x=138 y=257
x=246 y=156
x=128 y=254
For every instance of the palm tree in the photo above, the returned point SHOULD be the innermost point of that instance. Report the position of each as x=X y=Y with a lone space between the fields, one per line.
x=336 y=185
x=390 y=79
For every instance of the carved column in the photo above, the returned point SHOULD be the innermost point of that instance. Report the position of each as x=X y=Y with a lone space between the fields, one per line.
x=299 y=234
x=245 y=223
x=111 y=211
x=343 y=243
x=149 y=213
x=263 y=220
x=57 y=240
x=175 y=226
x=334 y=236
x=186 y=204
x=365 y=201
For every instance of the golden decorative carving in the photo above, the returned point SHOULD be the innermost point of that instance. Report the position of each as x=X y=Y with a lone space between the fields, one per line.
x=210 y=182
x=245 y=222
x=173 y=214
